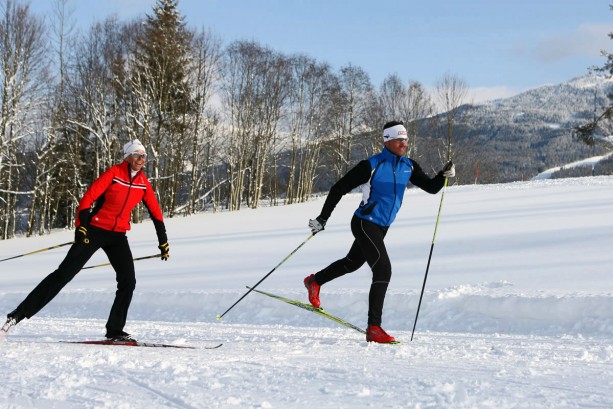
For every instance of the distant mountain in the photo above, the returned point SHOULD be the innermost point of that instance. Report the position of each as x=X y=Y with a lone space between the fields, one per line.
x=516 y=138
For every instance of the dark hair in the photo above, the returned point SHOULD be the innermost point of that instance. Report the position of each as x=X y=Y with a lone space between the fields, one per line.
x=392 y=123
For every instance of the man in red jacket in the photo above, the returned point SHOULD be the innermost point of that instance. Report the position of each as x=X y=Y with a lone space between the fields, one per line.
x=103 y=218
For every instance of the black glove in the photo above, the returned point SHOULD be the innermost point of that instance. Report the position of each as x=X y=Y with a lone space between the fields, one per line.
x=317 y=225
x=80 y=235
x=449 y=170
x=164 y=249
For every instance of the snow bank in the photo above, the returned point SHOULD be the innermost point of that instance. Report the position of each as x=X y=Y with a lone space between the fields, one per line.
x=486 y=308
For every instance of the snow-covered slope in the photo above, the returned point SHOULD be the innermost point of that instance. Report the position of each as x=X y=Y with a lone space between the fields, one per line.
x=519 y=137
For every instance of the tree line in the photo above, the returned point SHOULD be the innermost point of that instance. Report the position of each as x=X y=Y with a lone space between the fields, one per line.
x=224 y=127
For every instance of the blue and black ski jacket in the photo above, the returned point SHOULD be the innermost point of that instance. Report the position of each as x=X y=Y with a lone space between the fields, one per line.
x=383 y=179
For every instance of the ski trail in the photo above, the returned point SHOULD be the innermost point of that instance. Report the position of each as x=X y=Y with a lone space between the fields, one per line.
x=175 y=402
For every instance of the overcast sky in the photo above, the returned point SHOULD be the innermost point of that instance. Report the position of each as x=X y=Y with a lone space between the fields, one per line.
x=499 y=48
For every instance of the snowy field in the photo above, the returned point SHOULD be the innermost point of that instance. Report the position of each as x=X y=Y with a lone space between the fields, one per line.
x=518 y=310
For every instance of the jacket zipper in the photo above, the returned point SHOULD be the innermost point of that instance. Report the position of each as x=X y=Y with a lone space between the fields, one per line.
x=125 y=201
x=394 y=166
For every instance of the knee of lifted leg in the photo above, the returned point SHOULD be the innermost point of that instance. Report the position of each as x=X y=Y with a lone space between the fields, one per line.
x=127 y=284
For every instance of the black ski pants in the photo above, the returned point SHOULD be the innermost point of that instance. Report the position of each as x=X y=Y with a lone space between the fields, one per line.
x=117 y=249
x=368 y=247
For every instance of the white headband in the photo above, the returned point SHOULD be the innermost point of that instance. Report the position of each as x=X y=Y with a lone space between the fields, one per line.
x=131 y=147
x=395 y=132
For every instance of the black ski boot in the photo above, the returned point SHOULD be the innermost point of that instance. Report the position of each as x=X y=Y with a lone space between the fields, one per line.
x=120 y=337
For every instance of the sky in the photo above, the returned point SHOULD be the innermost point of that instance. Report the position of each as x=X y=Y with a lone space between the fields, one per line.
x=499 y=48
x=517 y=310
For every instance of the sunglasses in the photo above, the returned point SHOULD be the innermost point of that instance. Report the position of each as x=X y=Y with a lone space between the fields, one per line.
x=139 y=155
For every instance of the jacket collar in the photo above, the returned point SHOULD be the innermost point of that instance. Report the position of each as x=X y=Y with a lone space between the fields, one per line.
x=387 y=154
x=129 y=170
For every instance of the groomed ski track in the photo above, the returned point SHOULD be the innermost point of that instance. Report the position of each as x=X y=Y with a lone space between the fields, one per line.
x=259 y=363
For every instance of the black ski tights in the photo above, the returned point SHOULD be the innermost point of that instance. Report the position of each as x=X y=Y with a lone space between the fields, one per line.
x=116 y=247
x=369 y=247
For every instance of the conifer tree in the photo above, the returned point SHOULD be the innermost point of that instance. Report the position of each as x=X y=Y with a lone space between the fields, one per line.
x=601 y=124
x=161 y=93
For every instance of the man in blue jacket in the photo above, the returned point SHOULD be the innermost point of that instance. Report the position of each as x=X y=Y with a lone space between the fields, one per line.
x=383 y=179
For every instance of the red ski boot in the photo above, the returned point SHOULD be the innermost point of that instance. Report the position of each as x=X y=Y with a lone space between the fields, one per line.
x=313 y=288
x=375 y=333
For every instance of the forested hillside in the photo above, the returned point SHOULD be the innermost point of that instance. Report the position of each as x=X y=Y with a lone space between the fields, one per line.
x=516 y=138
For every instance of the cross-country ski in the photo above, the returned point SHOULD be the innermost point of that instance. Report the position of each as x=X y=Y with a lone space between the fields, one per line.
x=137 y=344
x=309 y=307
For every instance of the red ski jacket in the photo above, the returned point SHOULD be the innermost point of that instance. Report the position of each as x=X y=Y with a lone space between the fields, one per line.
x=116 y=194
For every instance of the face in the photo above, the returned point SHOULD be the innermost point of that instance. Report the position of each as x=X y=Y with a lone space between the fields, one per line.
x=397 y=146
x=137 y=160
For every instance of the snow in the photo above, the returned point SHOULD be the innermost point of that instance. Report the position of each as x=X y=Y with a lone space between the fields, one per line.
x=517 y=312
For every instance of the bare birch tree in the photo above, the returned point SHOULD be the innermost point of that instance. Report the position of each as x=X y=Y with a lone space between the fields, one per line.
x=254 y=91
x=451 y=93
x=238 y=100
x=47 y=197
x=22 y=75
x=309 y=104
x=202 y=179
x=350 y=115
x=394 y=100
x=272 y=86
x=85 y=125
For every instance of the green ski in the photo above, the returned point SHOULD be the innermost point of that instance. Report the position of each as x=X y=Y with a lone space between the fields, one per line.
x=309 y=307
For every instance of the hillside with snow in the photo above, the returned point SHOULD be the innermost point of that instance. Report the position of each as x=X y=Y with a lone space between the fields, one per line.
x=516 y=138
x=517 y=312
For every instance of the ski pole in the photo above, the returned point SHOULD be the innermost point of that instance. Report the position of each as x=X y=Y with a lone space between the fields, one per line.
x=136 y=259
x=266 y=276
x=38 y=251
x=438 y=217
